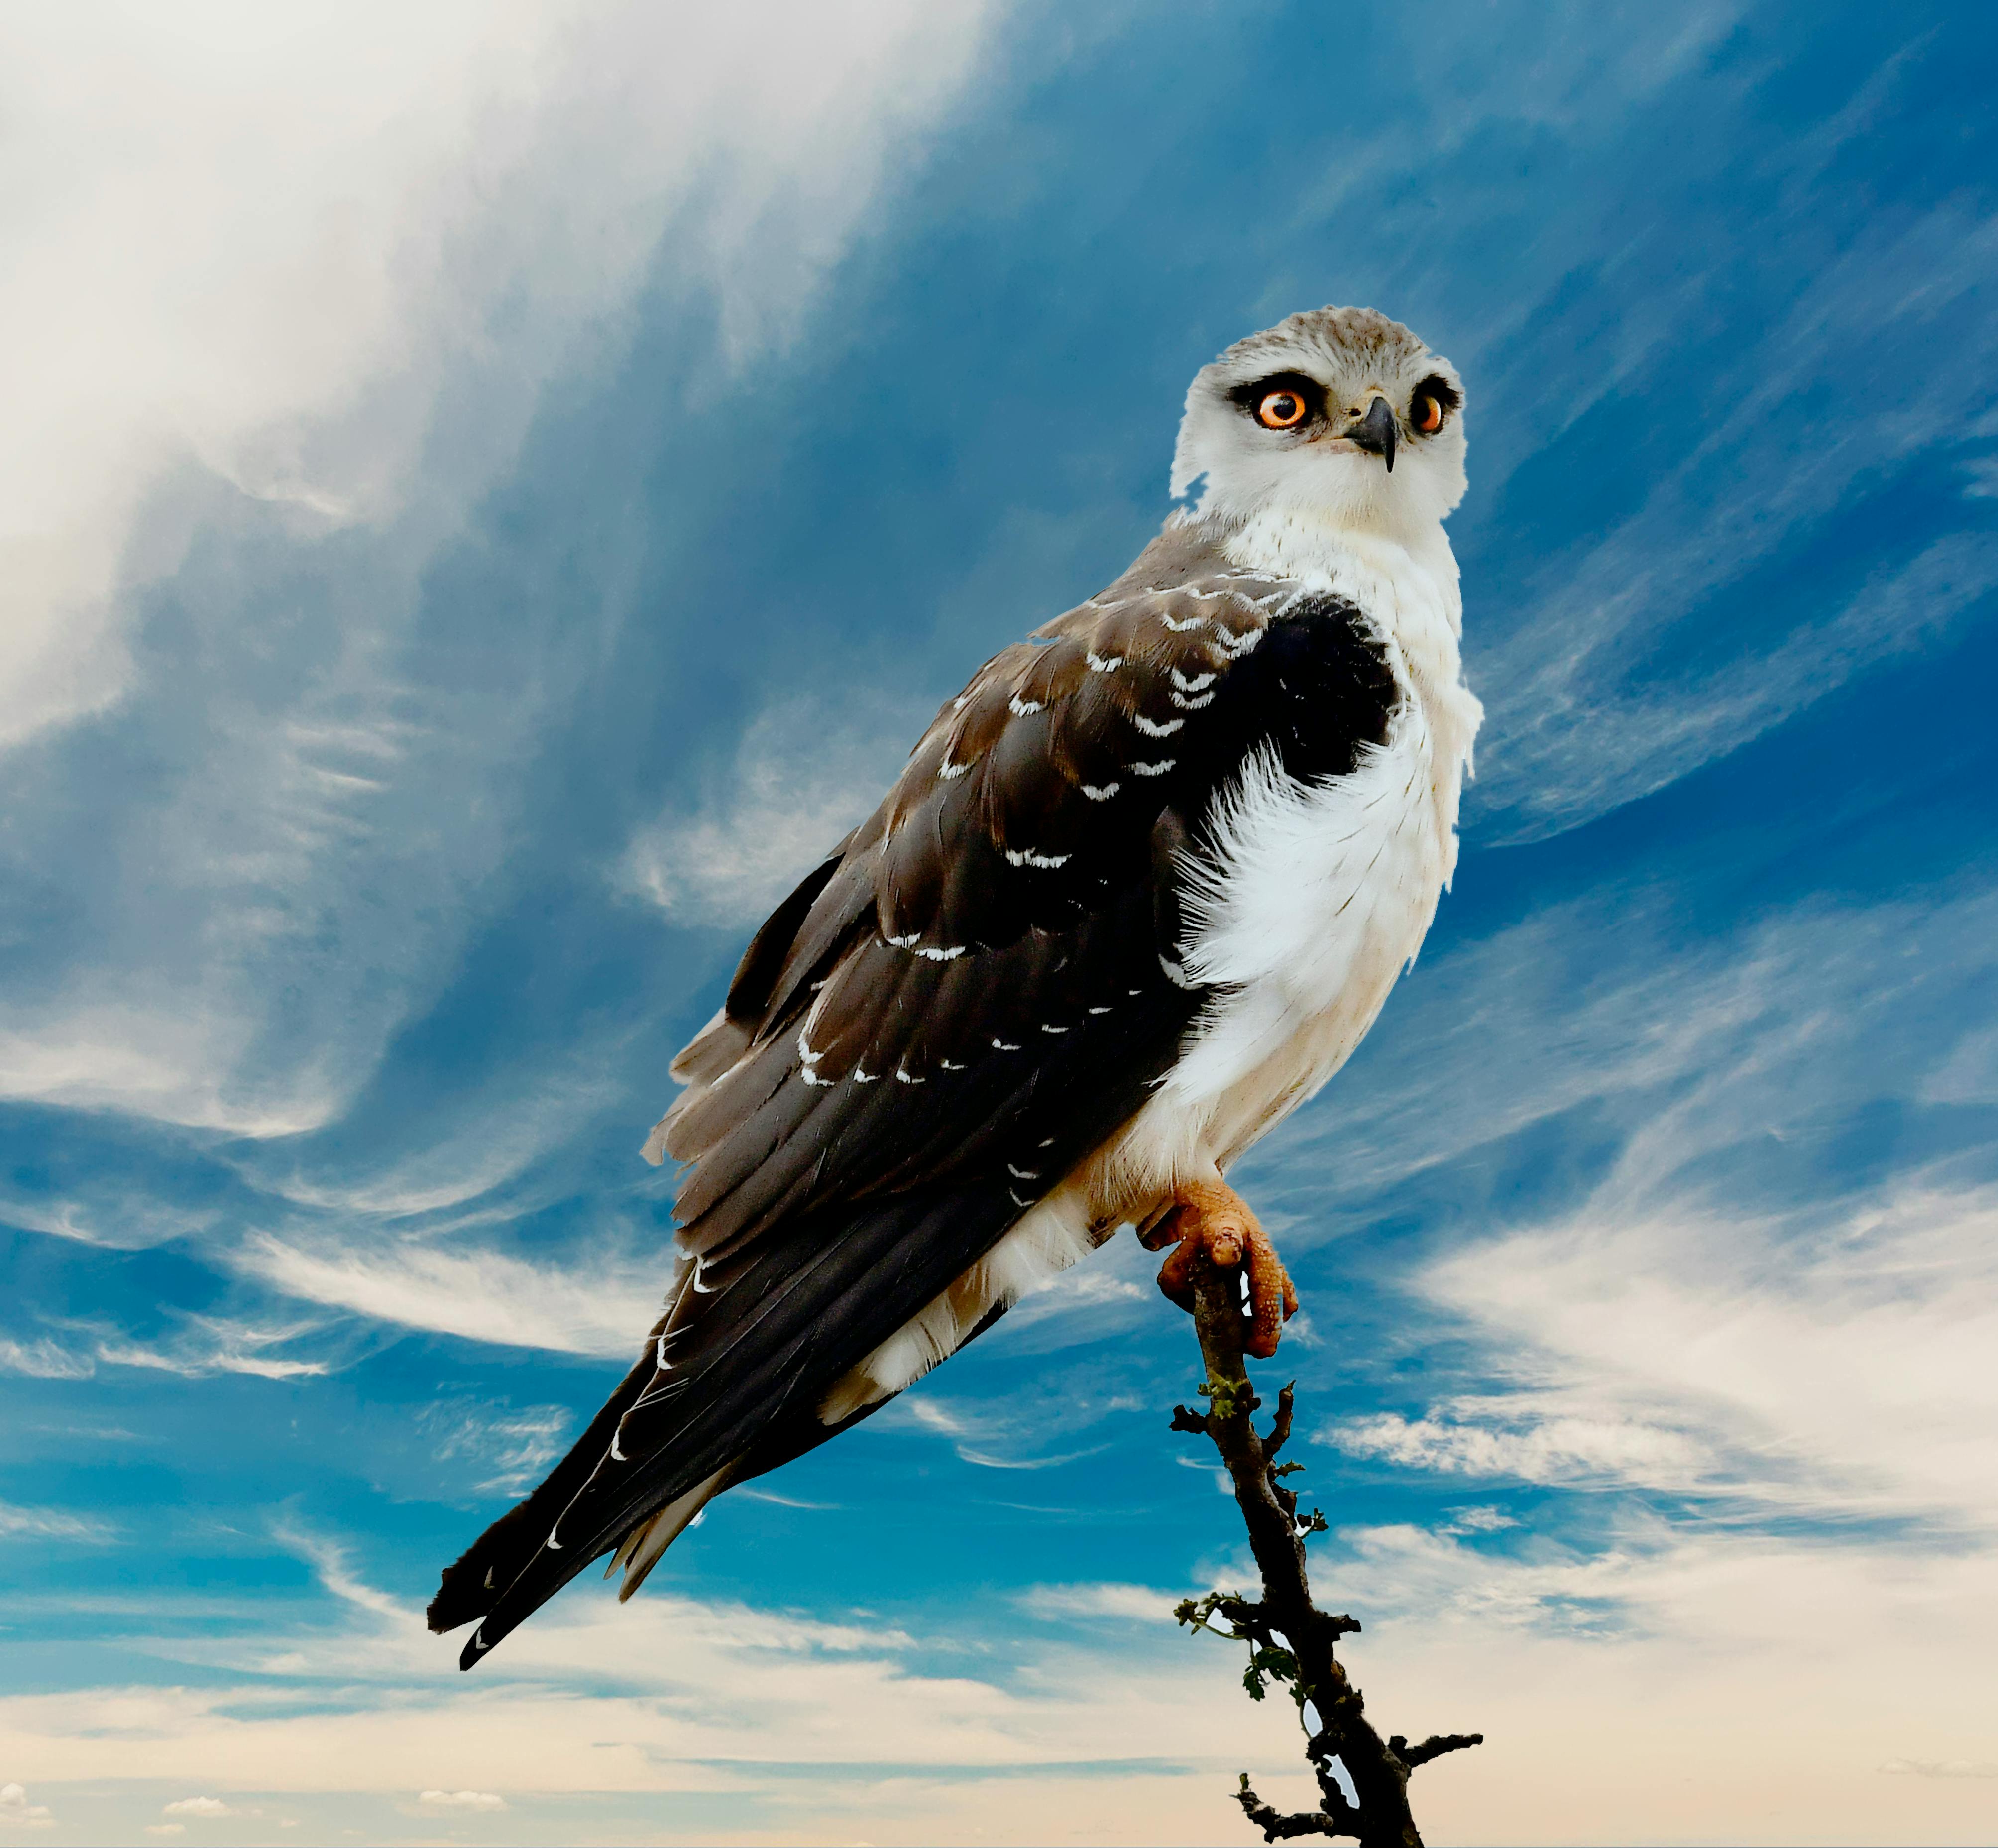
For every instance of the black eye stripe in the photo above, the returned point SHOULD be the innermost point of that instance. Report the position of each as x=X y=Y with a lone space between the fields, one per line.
x=1307 y=391
x=1440 y=389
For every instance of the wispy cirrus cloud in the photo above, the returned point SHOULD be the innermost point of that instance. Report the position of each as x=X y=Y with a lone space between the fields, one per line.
x=803 y=773
x=601 y=1307
x=1838 y=1370
x=43 y=1358
x=51 y=1524
x=516 y=1446
x=193 y=1347
x=422 y=245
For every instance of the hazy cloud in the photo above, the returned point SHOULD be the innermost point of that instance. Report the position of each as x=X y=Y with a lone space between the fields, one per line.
x=804 y=773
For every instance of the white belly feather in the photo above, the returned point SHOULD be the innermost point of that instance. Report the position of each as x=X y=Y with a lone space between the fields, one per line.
x=1319 y=896
x=1318 y=899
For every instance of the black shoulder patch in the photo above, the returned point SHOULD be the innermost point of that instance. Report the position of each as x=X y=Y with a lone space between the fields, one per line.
x=1317 y=690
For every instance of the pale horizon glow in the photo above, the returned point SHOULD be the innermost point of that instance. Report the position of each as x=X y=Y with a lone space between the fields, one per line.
x=491 y=494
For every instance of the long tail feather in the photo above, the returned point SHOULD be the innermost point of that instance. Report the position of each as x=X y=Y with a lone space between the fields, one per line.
x=767 y=1343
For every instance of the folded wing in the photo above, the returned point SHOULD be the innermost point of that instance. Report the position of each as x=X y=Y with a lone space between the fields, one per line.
x=974 y=992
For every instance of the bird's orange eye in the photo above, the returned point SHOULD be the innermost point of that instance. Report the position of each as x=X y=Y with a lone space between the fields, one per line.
x=1426 y=414
x=1281 y=411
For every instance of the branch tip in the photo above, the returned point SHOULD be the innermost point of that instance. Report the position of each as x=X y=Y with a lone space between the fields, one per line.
x=1435 y=1746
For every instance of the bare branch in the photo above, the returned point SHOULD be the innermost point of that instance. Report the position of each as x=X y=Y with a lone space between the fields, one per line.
x=1434 y=1746
x=1280 y=1429
x=1290 y=1640
x=1276 y=1825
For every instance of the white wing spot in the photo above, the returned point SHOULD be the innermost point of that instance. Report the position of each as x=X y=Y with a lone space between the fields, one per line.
x=1002 y=1046
x=907 y=942
x=1151 y=728
x=1192 y=705
x=950 y=1065
x=1023 y=1174
x=1099 y=1010
x=1102 y=794
x=1180 y=628
x=1046 y=1028
x=1198 y=683
x=1153 y=769
x=1105 y=663
x=555 y=1545
x=1022 y=708
x=616 y=1452
x=1026 y=856
x=943 y=955
x=859 y=1077
x=947 y=769
x=1174 y=973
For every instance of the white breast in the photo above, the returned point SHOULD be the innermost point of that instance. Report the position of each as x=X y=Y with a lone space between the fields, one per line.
x=1320 y=895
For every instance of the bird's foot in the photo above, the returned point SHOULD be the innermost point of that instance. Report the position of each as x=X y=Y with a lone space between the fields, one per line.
x=1209 y=1220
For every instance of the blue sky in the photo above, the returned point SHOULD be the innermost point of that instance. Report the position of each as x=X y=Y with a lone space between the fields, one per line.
x=494 y=491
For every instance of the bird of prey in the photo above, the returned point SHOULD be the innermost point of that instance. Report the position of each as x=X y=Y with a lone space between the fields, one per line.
x=1140 y=891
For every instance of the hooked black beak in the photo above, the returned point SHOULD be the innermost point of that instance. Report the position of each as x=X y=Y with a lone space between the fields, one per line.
x=1376 y=432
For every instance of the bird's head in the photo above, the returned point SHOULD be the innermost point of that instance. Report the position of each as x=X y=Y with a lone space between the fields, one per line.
x=1337 y=415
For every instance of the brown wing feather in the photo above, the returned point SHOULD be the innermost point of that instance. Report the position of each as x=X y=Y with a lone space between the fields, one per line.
x=937 y=936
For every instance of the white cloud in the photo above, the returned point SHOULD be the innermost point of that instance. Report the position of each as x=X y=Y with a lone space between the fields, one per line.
x=1813 y=1344
x=290 y=317
x=17 y=1812
x=1845 y=1370
x=705 y=1689
x=207 y=1344
x=346 y=332
x=1683 y=1050
x=1132 y=1604
x=587 y=1307
x=1570 y=743
x=1002 y=1436
x=1550 y=1450
x=804 y=772
x=44 y=1359
x=152 y=1060
x=1791 y=422
x=1741 y=1647
x=473 y=1800
x=166 y=1829
x=516 y=1446
x=51 y=1524
x=197 y=1806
